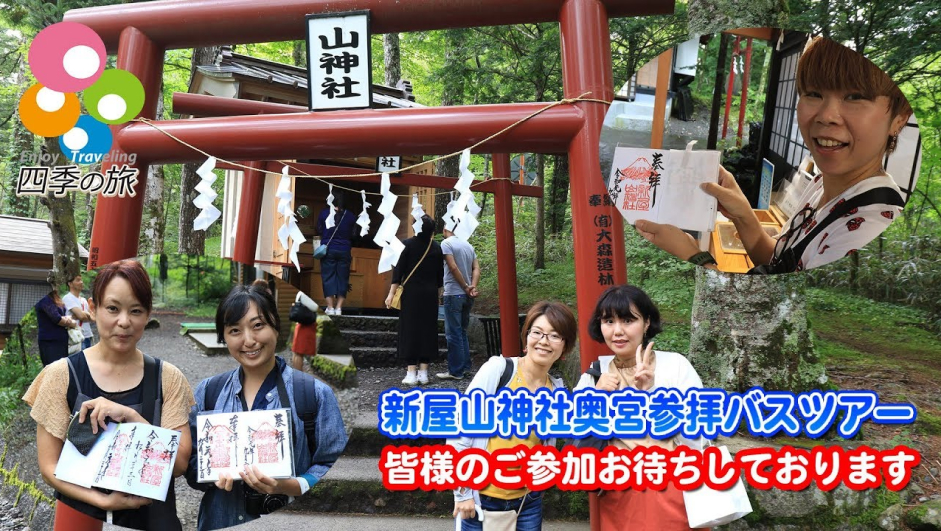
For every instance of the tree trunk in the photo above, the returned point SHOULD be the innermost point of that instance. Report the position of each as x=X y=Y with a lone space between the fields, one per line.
x=452 y=94
x=89 y=214
x=559 y=193
x=152 y=233
x=752 y=330
x=20 y=142
x=711 y=16
x=192 y=241
x=540 y=261
x=393 y=61
x=299 y=54
x=66 y=261
x=854 y=272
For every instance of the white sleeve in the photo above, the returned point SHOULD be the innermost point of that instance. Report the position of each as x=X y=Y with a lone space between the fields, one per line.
x=71 y=301
x=586 y=381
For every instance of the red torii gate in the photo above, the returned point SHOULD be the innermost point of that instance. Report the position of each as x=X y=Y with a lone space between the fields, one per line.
x=140 y=33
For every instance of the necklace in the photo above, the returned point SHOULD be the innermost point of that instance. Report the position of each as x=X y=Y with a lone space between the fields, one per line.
x=522 y=380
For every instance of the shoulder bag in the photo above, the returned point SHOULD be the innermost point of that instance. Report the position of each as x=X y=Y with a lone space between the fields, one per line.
x=397 y=296
x=321 y=249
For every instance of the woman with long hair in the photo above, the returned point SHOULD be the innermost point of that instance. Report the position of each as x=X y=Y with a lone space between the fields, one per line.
x=420 y=271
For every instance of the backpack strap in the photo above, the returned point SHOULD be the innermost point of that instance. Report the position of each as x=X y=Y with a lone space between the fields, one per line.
x=213 y=388
x=305 y=402
x=787 y=260
x=151 y=384
x=75 y=388
x=507 y=373
x=594 y=370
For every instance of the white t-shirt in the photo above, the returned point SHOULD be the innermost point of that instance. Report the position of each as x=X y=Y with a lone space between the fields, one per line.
x=71 y=301
x=847 y=235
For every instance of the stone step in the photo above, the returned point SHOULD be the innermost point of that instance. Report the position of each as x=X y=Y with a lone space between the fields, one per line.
x=354 y=485
x=383 y=356
x=366 y=440
x=380 y=338
x=209 y=343
x=372 y=323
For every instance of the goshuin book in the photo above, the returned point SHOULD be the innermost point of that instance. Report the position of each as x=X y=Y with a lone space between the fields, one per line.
x=662 y=185
x=131 y=457
x=226 y=442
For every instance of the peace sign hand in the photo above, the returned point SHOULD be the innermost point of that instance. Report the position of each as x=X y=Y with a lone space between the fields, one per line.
x=643 y=370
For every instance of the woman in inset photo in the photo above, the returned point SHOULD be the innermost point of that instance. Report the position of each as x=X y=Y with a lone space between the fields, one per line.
x=247 y=321
x=850 y=115
x=109 y=383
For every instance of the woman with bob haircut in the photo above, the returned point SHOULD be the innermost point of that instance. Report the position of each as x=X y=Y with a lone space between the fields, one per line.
x=549 y=332
x=850 y=114
x=625 y=320
x=106 y=383
x=247 y=322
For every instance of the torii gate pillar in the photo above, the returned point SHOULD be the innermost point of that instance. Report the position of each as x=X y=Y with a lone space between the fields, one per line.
x=586 y=67
x=506 y=256
x=118 y=219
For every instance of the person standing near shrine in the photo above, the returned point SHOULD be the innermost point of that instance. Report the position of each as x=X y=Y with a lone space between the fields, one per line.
x=52 y=323
x=461 y=274
x=335 y=266
x=420 y=271
x=77 y=305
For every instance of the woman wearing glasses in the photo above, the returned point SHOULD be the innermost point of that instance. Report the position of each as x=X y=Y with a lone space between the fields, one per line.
x=549 y=332
x=850 y=115
x=625 y=320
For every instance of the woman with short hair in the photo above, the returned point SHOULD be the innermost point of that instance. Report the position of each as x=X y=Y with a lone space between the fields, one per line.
x=105 y=383
x=626 y=320
x=549 y=332
x=850 y=114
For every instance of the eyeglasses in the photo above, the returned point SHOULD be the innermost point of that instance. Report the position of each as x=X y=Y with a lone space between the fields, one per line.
x=537 y=336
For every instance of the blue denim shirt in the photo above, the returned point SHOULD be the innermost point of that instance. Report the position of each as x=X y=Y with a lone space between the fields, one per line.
x=219 y=508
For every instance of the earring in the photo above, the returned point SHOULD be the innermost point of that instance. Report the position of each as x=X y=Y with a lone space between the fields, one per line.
x=893 y=142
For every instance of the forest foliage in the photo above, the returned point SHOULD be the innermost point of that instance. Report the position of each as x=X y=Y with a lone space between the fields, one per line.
x=522 y=63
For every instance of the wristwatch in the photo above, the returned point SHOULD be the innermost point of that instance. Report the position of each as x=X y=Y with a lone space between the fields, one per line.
x=702 y=258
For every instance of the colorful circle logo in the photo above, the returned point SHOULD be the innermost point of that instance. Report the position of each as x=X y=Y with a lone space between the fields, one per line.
x=87 y=142
x=66 y=58
x=46 y=112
